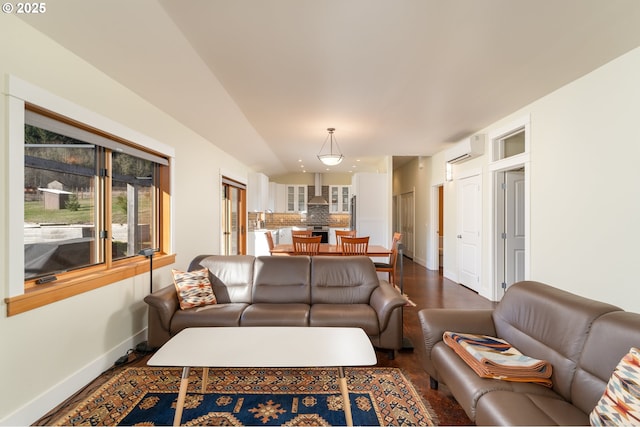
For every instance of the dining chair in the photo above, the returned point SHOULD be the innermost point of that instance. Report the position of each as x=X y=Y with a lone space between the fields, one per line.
x=341 y=233
x=306 y=233
x=269 y=241
x=355 y=245
x=397 y=237
x=306 y=245
x=390 y=266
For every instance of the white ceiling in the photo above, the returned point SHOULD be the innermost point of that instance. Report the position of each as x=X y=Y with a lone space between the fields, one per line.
x=394 y=77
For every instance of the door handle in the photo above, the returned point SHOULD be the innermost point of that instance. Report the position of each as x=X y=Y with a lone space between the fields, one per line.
x=459 y=236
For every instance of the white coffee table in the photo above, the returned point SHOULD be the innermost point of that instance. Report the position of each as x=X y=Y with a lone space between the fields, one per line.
x=265 y=347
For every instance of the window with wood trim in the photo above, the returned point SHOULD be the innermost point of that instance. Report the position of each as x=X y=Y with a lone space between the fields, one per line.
x=92 y=202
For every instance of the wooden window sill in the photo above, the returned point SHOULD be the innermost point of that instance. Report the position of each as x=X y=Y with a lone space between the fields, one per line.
x=79 y=282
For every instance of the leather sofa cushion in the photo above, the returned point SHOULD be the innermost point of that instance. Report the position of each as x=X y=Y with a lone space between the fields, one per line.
x=231 y=277
x=468 y=387
x=611 y=337
x=209 y=315
x=282 y=279
x=345 y=315
x=270 y=314
x=283 y=297
x=342 y=280
x=548 y=323
x=510 y=408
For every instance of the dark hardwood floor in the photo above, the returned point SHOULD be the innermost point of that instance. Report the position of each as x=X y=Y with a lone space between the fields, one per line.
x=427 y=289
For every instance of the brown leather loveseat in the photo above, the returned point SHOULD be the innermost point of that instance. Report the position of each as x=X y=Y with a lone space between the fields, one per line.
x=584 y=340
x=285 y=291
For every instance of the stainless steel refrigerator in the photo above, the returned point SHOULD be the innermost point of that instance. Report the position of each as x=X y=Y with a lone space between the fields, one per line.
x=352 y=221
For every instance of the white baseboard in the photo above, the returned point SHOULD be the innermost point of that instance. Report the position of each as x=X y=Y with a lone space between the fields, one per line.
x=49 y=399
x=451 y=275
x=420 y=261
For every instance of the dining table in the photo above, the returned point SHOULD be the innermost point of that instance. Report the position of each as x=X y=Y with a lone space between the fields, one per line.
x=330 y=249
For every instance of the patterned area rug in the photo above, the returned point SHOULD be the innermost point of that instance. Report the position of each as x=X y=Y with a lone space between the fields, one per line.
x=258 y=397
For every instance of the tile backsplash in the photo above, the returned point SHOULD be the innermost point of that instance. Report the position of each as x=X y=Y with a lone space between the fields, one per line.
x=315 y=215
x=278 y=219
x=318 y=215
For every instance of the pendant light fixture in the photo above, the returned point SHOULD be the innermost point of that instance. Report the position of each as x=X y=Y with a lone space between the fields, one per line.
x=330 y=158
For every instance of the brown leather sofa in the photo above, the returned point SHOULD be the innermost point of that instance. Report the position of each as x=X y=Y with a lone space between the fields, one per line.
x=285 y=291
x=583 y=339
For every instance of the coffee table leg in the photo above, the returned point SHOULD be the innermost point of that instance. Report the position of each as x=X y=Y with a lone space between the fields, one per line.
x=205 y=379
x=342 y=382
x=181 y=396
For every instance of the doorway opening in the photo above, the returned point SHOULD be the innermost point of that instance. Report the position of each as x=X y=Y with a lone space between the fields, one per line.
x=511 y=205
x=435 y=233
x=440 y=231
x=510 y=227
x=407 y=222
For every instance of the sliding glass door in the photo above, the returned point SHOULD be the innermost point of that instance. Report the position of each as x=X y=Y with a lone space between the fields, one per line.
x=234 y=217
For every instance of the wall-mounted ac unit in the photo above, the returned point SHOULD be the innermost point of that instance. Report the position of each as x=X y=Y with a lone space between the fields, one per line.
x=466 y=150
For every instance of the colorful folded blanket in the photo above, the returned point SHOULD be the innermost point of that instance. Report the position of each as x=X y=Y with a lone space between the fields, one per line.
x=492 y=357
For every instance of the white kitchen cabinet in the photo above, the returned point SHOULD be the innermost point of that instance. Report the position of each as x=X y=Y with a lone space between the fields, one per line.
x=257 y=242
x=296 y=198
x=339 y=197
x=332 y=234
x=284 y=236
x=257 y=192
x=277 y=197
x=251 y=243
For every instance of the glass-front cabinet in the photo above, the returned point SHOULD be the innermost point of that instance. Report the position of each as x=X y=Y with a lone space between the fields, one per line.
x=296 y=198
x=339 y=196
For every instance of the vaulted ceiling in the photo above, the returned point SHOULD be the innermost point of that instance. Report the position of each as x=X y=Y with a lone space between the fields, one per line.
x=394 y=77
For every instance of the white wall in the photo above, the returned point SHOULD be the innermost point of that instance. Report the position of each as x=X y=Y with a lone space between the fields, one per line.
x=585 y=152
x=585 y=148
x=50 y=352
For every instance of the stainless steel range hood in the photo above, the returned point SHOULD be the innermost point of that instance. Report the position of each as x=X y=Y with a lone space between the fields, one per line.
x=317 y=199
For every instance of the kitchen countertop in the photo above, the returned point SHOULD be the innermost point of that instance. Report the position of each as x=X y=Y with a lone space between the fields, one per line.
x=297 y=227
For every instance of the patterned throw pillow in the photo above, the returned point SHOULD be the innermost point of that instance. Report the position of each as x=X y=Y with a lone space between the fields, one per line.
x=194 y=288
x=620 y=403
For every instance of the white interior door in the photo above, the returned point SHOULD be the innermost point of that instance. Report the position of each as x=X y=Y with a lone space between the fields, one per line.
x=514 y=234
x=469 y=231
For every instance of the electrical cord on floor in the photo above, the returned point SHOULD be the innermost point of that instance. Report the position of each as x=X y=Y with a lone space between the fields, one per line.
x=126 y=359
x=140 y=351
x=123 y=359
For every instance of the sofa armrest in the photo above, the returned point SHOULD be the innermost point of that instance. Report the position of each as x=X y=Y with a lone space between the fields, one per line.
x=165 y=303
x=436 y=321
x=384 y=299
